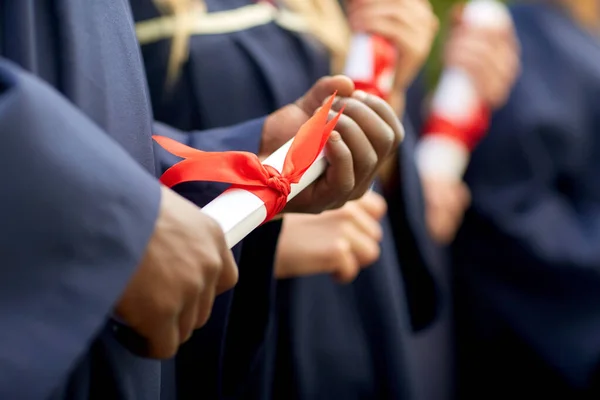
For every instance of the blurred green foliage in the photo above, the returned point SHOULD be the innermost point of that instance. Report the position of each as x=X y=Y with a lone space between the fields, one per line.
x=442 y=9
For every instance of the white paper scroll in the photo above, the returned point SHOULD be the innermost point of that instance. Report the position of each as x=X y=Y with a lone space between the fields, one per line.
x=359 y=62
x=239 y=212
x=456 y=99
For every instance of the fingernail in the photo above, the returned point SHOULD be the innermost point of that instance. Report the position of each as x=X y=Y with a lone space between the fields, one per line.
x=360 y=95
x=335 y=136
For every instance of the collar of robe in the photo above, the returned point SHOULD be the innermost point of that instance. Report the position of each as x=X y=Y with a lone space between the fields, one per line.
x=185 y=18
x=199 y=22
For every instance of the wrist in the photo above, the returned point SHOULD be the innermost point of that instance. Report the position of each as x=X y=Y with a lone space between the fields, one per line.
x=267 y=139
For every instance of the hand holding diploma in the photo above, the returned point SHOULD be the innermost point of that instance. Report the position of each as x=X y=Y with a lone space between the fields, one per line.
x=488 y=54
x=481 y=64
x=483 y=60
x=187 y=263
x=367 y=131
x=410 y=25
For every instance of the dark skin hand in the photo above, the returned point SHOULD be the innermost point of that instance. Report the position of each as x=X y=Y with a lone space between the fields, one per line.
x=366 y=135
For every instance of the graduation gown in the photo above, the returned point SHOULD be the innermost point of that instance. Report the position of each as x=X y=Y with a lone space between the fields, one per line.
x=324 y=340
x=80 y=198
x=357 y=341
x=527 y=258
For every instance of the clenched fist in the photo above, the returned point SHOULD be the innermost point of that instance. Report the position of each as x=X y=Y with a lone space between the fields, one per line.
x=366 y=135
x=186 y=264
x=337 y=242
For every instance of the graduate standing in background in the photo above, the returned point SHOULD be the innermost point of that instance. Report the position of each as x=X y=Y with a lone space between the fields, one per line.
x=527 y=255
x=351 y=341
x=87 y=230
x=328 y=341
x=489 y=55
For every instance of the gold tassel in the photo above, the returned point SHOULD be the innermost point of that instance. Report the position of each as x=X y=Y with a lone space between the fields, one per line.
x=184 y=13
x=328 y=24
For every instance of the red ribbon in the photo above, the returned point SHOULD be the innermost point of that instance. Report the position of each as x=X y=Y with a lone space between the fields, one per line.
x=384 y=61
x=468 y=132
x=245 y=171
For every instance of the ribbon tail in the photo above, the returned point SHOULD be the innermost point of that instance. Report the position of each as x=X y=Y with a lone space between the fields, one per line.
x=238 y=168
x=176 y=148
x=309 y=142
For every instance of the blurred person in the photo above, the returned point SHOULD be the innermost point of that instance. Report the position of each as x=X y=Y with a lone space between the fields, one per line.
x=241 y=60
x=88 y=233
x=526 y=256
x=490 y=56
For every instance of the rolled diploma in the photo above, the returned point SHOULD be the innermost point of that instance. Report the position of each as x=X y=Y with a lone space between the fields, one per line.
x=455 y=99
x=239 y=212
x=360 y=63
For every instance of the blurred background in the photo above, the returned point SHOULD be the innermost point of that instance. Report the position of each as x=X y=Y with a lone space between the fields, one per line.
x=442 y=9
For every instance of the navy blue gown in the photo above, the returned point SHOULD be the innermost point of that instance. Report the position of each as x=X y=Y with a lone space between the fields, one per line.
x=323 y=340
x=527 y=259
x=80 y=198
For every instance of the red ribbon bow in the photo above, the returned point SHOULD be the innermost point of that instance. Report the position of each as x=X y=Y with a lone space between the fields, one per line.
x=245 y=171
x=384 y=61
x=468 y=132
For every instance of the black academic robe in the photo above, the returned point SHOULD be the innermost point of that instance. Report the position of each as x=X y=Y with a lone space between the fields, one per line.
x=527 y=259
x=80 y=198
x=324 y=340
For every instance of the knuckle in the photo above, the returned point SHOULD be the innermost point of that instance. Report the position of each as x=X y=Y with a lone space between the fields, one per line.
x=372 y=253
x=346 y=227
x=212 y=264
x=234 y=276
x=348 y=273
x=339 y=249
x=346 y=212
x=163 y=307
x=203 y=317
x=194 y=284
x=387 y=139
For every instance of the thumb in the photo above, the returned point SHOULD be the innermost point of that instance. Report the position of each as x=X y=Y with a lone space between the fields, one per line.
x=325 y=87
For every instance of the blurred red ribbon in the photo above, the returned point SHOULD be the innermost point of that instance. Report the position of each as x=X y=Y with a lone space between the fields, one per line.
x=384 y=61
x=245 y=171
x=468 y=132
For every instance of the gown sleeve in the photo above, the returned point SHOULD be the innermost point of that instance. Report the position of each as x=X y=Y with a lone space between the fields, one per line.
x=77 y=212
x=536 y=200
